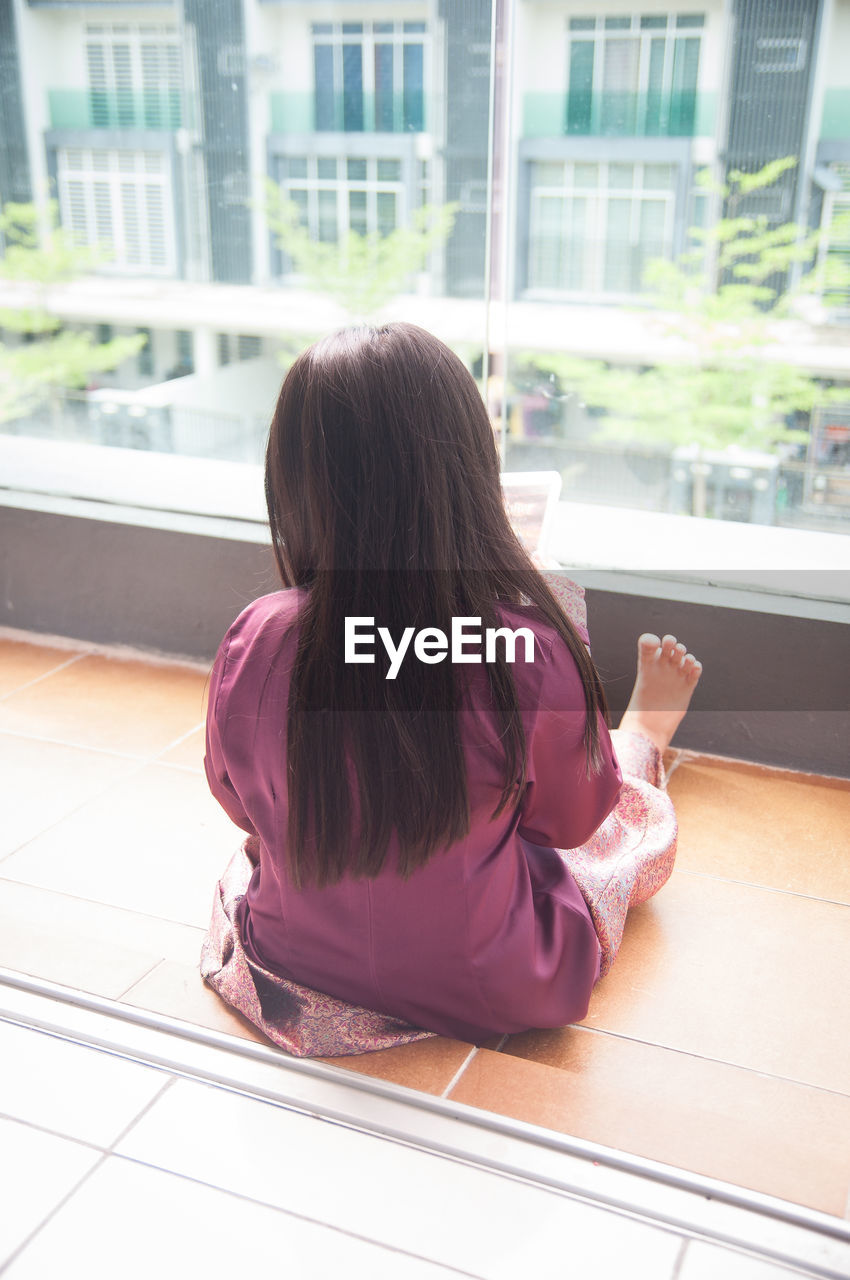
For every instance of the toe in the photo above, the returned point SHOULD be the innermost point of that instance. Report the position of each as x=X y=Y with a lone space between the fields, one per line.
x=668 y=644
x=648 y=644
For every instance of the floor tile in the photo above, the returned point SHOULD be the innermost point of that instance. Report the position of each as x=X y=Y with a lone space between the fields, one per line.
x=42 y=782
x=427 y=1065
x=448 y=1211
x=708 y=1262
x=87 y=945
x=765 y=826
x=693 y=1113
x=73 y=1090
x=111 y=703
x=735 y=973
x=189 y=753
x=36 y=1172
x=135 y=1222
x=178 y=991
x=21 y=662
x=155 y=843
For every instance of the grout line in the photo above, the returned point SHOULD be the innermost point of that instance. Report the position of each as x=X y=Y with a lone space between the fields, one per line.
x=182 y=738
x=76 y=746
x=98 y=794
x=299 y=1217
x=113 y=906
x=16 y=1253
x=43 y=1128
x=170 y=1080
x=44 y=676
x=136 y=981
x=680 y=1258
x=105 y=906
x=768 y=888
x=457 y=1075
x=702 y=1057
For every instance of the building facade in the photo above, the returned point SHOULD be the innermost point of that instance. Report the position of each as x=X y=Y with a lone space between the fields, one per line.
x=156 y=127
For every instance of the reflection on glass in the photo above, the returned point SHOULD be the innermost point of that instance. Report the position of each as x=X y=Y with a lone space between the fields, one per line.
x=333 y=164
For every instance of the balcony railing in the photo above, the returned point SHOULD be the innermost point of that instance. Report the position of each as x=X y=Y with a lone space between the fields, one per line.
x=402 y=112
x=116 y=109
x=618 y=115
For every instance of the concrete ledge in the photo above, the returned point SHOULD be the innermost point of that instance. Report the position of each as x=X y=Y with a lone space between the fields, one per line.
x=776 y=689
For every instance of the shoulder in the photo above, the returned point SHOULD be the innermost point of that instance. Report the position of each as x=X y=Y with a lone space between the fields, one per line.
x=554 y=679
x=263 y=625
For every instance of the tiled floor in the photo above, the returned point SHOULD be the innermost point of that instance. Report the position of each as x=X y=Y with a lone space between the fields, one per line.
x=719 y=1043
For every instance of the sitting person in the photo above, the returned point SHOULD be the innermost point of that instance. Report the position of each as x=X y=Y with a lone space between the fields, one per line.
x=441 y=839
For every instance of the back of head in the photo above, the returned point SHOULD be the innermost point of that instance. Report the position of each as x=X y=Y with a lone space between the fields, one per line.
x=382 y=457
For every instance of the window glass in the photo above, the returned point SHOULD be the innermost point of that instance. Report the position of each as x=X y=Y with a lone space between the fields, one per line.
x=348 y=160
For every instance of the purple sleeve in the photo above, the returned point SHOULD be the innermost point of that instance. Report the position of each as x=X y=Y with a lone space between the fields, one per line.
x=563 y=803
x=214 y=759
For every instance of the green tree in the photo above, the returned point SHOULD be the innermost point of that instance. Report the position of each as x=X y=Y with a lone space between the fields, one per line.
x=723 y=298
x=36 y=371
x=360 y=272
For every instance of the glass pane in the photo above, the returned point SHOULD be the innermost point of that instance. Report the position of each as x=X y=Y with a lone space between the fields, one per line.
x=580 y=95
x=386 y=212
x=323 y=67
x=586 y=175
x=389 y=171
x=618 y=255
x=326 y=168
x=548 y=174
x=352 y=87
x=658 y=177
x=621 y=176
x=655 y=106
x=384 y=88
x=357 y=218
x=413 y=110
x=356 y=170
x=327 y=205
x=685 y=72
x=300 y=199
x=620 y=85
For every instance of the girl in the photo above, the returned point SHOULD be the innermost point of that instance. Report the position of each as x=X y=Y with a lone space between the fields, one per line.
x=451 y=850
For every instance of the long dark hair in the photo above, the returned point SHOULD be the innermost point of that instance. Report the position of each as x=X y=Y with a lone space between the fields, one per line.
x=384 y=500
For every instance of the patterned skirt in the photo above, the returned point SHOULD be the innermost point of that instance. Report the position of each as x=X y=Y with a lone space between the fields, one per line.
x=627 y=860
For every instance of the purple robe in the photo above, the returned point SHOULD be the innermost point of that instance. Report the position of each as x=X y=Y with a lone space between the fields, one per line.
x=492 y=935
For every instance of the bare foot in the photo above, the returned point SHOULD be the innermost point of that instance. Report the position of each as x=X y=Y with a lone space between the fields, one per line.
x=666 y=677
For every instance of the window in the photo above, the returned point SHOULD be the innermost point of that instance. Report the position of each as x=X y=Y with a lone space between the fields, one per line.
x=780 y=54
x=233 y=347
x=369 y=76
x=145 y=360
x=121 y=201
x=594 y=226
x=633 y=75
x=135 y=76
x=338 y=195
